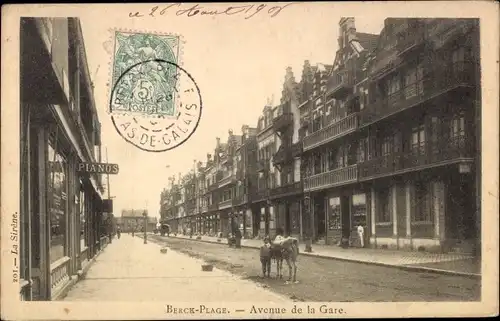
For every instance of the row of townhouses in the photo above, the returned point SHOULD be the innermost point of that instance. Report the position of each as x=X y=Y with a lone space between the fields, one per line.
x=387 y=138
x=61 y=222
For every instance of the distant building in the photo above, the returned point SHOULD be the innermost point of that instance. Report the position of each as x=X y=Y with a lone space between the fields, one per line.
x=133 y=220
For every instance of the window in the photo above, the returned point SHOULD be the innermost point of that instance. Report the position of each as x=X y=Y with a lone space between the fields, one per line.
x=387 y=145
x=363 y=142
x=359 y=209
x=422 y=203
x=331 y=159
x=58 y=202
x=393 y=85
x=418 y=139
x=384 y=208
x=457 y=126
x=334 y=219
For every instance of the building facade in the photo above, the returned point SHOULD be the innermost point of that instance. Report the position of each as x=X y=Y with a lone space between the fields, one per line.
x=386 y=138
x=61 y=208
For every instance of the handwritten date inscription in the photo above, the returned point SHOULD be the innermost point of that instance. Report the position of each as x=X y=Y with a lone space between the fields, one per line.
x=247 y=11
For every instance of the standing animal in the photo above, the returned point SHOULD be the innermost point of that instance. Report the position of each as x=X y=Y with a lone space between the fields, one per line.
x=287 y=250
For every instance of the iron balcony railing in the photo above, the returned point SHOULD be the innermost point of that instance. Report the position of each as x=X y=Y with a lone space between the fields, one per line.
x=225 y=204
x=340 y=84
x=228 y=179
x=240 y=199
x=336 y=177
x=443 y=151
x=282 y=121
x=438 y=80
x=331 y=132
x=213 y=207
x=261 y=194
x=283 y=155
x=286 y=190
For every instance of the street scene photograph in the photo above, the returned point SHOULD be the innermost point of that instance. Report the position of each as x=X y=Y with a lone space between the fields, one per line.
x=274 y=153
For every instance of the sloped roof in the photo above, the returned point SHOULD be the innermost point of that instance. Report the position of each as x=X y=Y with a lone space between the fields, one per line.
x=367 y=40
x=133 y=213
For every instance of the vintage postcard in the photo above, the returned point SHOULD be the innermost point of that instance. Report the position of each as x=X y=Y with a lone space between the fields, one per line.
x=249 y=160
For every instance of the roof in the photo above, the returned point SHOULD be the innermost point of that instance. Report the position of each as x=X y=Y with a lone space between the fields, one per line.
x=133 y=213
x=367 y=40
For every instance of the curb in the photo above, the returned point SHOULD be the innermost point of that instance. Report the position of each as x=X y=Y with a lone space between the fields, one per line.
x=412 y=268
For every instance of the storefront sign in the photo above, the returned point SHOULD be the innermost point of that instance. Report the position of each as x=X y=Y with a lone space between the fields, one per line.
x=99 y=168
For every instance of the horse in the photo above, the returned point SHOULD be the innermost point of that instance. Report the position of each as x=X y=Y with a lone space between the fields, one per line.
x=288 y=251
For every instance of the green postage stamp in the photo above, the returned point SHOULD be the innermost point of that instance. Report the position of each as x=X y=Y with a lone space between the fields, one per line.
x=141 y=83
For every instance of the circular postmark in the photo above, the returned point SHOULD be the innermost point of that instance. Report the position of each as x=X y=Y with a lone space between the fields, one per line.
x=155 y=105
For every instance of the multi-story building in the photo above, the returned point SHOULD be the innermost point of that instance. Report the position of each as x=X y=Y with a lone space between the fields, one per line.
x=245 y=161
x=386 y=138
x=420 y=135
x=61 y=208
x=286 y=194
x=133 y=221
x=266 y=148
x=337 y=203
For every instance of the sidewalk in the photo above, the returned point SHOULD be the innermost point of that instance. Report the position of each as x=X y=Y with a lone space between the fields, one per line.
x=132 y=271
x=452 y=264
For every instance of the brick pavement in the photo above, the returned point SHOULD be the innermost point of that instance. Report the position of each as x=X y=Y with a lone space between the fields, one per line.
x=448 y=263
x=132 y=271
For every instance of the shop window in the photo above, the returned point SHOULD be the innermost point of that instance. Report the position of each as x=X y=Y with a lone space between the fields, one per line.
x=422 y=211
x=384 y=208
x=334 y=219
x=58 y=202
x=359 y=209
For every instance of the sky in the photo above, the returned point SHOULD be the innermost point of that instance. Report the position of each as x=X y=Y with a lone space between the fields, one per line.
x=238 y=65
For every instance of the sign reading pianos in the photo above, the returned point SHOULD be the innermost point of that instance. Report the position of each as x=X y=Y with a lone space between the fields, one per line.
x=98 y=168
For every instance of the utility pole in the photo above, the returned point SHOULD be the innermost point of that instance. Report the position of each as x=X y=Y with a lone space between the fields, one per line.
x=109 y=198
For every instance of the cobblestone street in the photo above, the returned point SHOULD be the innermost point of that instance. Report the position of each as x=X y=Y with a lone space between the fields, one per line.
x=132 y=271
x=332 y=280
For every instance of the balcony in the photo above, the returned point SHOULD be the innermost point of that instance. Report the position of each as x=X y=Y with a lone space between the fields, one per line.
x=331 y=132
x=283 y=155
x=282 y=121
x=260 y=194
x=262 y=165
x=340 y=84
x=240 y=199
x=213 y=207
x=336 y=177
x=444 y=152
x=225 y=204
x=212 y=187
x=438 y=80
x=286 y=190
x=297 y=149
x=228 y=179
x=409 y=40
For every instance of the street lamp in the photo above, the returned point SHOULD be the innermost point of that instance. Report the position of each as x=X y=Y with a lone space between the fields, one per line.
x=145 y=226
x=308 y=240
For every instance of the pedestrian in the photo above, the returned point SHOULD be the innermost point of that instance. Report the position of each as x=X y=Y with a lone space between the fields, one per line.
x=265 y=257
x=361 y=235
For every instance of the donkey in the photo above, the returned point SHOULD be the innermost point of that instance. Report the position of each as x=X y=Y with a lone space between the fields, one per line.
x=288 y=251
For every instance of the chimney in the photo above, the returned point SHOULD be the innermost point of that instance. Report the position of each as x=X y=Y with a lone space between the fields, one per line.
x=218 y=141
